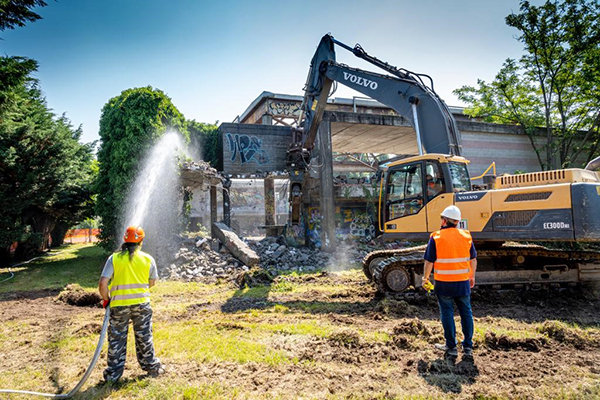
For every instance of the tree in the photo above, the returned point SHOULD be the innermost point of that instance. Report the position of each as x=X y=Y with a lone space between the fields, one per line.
x=41 y=162
x=130 y=123
x=554 y=86
x=206 y=138
x=15 y=13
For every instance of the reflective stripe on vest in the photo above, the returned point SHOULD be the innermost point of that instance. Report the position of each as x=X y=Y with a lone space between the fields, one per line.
x=129 y=284
x=453 y=255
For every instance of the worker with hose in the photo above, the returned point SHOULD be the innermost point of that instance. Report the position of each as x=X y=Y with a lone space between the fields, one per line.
x=451 y=255
x=131 y=273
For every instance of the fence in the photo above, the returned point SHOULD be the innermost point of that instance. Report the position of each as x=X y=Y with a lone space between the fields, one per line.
x=82 y=235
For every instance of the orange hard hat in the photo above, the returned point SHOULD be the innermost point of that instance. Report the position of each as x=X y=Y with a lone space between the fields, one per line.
x=134 y=234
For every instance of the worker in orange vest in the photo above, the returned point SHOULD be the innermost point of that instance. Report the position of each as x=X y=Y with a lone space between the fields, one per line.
x=131 y=273
x=451 y=255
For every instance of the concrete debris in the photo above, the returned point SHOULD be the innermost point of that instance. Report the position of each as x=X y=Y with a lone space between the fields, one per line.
x=207 y=260
x=235 y=245
x=201 y=263
x=276 y=257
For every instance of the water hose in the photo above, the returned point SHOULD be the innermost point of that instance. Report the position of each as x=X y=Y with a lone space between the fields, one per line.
x=12 y=274
x=85 y=376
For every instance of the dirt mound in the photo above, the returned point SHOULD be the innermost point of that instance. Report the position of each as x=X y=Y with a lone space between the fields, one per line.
x=396 y=308
x=75 y=295
x=504 y=342
x=414 y=327
x=254 y=277
x=348 y=339
x=405 y=333
x=563 y=333
x=89 y=329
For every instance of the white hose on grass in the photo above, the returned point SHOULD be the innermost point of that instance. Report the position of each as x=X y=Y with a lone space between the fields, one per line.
x=83 y=378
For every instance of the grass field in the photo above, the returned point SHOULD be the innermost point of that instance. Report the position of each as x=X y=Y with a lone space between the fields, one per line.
x=317 y=336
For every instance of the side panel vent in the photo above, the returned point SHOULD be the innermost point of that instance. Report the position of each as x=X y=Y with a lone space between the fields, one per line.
x=514 y=218
x=528 y=196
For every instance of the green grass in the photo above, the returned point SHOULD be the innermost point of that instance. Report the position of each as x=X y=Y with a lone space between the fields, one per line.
x=77 y=263
x=199 y=341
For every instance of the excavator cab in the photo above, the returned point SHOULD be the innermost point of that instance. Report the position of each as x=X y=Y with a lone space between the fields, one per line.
x=415 y=191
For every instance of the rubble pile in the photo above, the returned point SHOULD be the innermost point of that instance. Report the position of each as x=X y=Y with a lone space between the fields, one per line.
x=209 y=260
x=199 y=260
x=276 y=257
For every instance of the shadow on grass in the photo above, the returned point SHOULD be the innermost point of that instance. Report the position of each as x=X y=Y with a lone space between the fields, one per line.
x=43 y=277
x=447 y=375
x=103 y=390
x=570 y=306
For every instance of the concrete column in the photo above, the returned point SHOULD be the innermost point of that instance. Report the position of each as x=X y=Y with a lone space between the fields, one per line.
x=226 y=202
x=267 y=120
x=270 y=220
x=213 y=209
x=327 y=204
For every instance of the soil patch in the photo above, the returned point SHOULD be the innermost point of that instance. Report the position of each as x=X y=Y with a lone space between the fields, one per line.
x=75 y=295
x=504 y=342
x=568 y=335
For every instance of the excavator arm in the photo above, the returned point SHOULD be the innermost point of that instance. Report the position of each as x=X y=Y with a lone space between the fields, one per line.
x=403 y=91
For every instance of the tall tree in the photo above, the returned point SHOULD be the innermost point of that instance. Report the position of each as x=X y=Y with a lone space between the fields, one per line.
x=41 y=160
x=553 y=86
x=15 y=13
x=130 y=123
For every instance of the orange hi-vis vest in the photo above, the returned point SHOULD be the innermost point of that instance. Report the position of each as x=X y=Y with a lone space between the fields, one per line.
x=453 y=252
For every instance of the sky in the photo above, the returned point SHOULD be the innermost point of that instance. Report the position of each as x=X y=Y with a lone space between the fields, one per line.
x=214 y=58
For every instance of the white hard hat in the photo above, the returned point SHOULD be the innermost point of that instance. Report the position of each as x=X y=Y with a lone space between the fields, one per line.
x=451 y=212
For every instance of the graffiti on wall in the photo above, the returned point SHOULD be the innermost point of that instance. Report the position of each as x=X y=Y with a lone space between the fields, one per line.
x=249 y=148
x=314 y=226
x=284 y=109
x=355 y=223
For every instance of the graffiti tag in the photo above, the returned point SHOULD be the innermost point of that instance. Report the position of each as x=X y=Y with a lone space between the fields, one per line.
x=284 y=109
x=249 y=148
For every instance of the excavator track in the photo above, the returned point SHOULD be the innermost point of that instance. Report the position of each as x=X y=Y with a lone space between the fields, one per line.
x=398 y=271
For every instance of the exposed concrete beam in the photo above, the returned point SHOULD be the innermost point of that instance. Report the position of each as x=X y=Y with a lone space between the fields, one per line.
x=326 y=188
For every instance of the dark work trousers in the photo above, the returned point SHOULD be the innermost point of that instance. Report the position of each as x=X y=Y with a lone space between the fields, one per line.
x=141 y=316
x=463 y=303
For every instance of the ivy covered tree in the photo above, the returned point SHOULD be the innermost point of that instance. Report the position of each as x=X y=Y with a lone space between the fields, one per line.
x=553 y=90
x=45 y=173
x=205 y=138
x=130 y=123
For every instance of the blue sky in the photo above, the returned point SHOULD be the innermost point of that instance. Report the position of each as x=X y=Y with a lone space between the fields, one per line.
x=213 y=58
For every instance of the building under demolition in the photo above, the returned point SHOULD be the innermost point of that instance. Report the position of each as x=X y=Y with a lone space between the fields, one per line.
x=355 y=137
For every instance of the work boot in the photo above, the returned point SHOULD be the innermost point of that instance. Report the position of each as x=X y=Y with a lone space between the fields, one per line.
x=452 y=352
x=467 y=351
x=156 y=372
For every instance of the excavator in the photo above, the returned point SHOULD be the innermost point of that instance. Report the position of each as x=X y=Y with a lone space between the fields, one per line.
x=504 y=215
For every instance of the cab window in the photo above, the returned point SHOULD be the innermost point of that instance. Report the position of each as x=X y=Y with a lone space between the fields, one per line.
x=459 y=176
x=405 y=191
x=434 y=180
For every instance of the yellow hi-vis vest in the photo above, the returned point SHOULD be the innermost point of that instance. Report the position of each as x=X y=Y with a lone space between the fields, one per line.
x=453 y=255
x=129 y=284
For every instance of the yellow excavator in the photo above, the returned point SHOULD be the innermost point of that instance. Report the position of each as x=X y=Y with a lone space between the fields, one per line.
x=547 y=206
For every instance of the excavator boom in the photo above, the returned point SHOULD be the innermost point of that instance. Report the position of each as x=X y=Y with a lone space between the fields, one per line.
x=403 y=91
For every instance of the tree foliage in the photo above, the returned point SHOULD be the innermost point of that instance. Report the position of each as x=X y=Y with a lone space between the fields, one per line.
x=554 y=86
x=14 y=13
x=205 y=137
x=45 y=173
x=130 y=123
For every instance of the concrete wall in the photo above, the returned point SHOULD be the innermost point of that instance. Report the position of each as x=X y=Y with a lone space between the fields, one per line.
x=251 y=148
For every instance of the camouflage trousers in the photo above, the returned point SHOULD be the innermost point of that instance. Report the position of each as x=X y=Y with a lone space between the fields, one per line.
x=141 y=316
